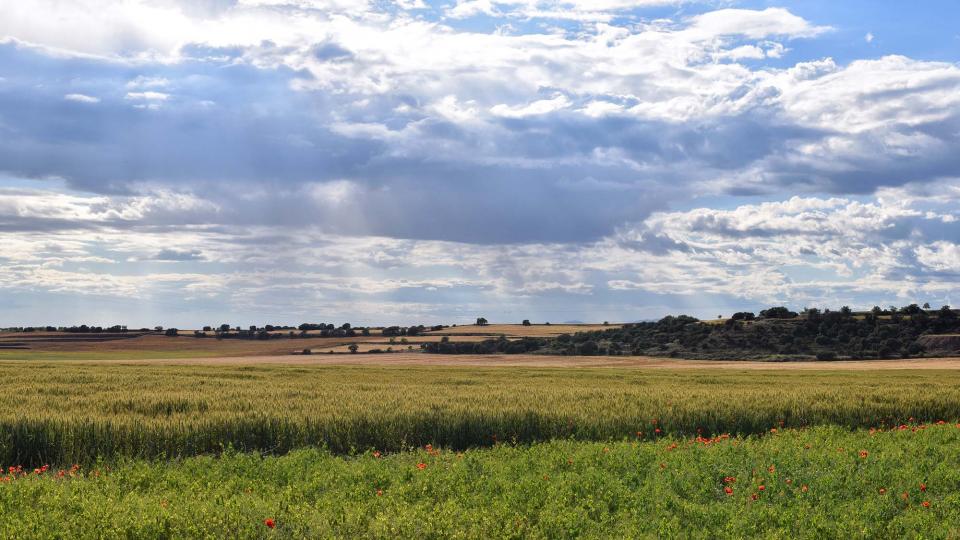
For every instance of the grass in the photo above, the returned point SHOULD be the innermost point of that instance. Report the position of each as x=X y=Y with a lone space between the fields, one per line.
x=823 y=482
x=62 y=413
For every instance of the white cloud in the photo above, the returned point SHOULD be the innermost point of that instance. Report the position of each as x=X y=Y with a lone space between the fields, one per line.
x=81 y=98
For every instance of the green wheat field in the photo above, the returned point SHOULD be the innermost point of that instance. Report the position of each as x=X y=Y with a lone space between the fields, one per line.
x=129 y=451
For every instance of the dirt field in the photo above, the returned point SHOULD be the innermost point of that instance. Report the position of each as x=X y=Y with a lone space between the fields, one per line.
x=523 y=360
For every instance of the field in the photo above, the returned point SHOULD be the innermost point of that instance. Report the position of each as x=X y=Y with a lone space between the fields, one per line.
x=815 y=483
x=188 y=442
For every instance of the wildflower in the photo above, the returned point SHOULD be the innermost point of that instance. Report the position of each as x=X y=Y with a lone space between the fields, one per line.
x=762 y=487
x=728 y=490
x=269 y=523
x=864 y=454
x=421 y=466
x=789 y=481
x=657 y=431
x=905 y=496
x=729 y=480
x=926 y=504
x=379 y=493
x=755 y=496
x=923 y=487
x=773 y=430
x=640 y=433
x=883 y=491
x=376 y=454
x=605 y=450
x=803 y=488
x=771 y=468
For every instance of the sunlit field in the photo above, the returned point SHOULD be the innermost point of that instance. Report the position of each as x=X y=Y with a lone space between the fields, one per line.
x=64 y=413
x=812 y=483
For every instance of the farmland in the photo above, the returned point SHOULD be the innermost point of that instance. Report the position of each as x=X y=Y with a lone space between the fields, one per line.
x=813 y=483
x=157 y=436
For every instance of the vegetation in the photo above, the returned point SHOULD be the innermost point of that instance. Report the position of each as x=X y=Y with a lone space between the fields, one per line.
x=822 y=482
x=777 y=334
x=64 y=413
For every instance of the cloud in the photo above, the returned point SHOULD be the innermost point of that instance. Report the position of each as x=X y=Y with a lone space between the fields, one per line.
x=81 y=98
x=413 y=154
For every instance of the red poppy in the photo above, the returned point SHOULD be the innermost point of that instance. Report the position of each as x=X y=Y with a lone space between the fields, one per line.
x=771 y=468
x=803 y=488
x=728 y=490
x=729 y=480
x=773 y=430
x=656 y=430
x=755 y=496
x=421 y=466
x=923 y=487
x=883 y=491
x=864 y=453
x=926 y=504
x=379 y=493
x=762 y=487
x=376 y=454
x=269 y=523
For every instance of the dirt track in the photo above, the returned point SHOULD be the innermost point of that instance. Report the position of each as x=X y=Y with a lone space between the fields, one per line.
x=418 y=359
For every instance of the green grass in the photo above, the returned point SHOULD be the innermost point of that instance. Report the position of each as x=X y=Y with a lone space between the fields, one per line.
x=65 y=413
x=559 y=489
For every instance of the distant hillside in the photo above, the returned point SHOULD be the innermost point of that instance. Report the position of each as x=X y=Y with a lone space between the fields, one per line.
x=777 y=334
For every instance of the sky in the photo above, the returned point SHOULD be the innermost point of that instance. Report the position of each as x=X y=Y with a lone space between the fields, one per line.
x=191 y=163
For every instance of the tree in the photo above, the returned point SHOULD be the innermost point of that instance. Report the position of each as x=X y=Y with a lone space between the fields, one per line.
x=353 y=348
x=171 y=332
x=526 y=322
x=743 y=316
x=926 y=305
x=846 y=311
x=481 y=321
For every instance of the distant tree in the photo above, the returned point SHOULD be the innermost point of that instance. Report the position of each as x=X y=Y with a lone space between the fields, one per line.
x=926 y=305
x=353 y=348
x=778 y=313
x=845 y=311
x=171 y=332
x=155 y=328
x=876 y=311
x=743 y=316
x=345 y=326
x=224 y=327
x=526 y=322
x=481 y=321
x=912 y=309
x=365 y=332
x=307 y=351
x=946 y=314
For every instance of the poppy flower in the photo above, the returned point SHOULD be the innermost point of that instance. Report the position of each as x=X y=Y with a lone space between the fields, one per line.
x=761 y=487
x=269 y=523
x=803 y=488
x=379 y=493
x=771 y=468
x=656 y=430
x=883 y=491
x=728 y=490
x=904 y=495
x=773 y=430
x=729 y=480
x=421 y=466
x=376 y=454
x=755 y=496
x=864 y=454
x=923 y=487
x=926 y=504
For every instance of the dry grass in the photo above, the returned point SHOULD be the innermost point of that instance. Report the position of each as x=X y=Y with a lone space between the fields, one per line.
x=518 y=330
